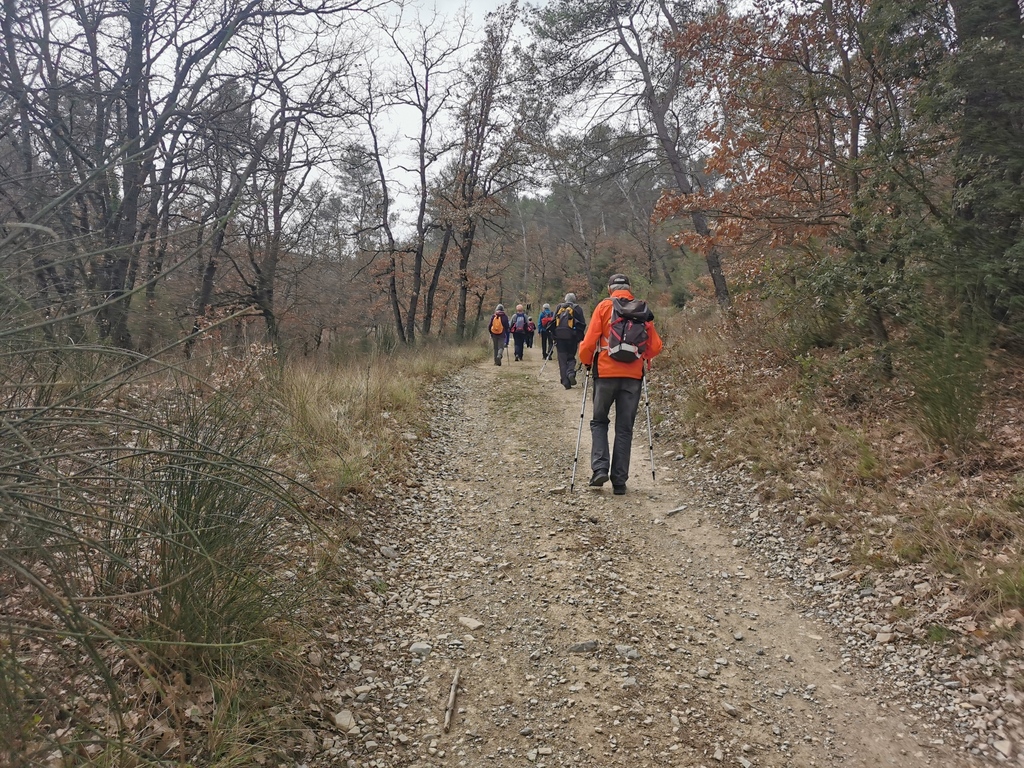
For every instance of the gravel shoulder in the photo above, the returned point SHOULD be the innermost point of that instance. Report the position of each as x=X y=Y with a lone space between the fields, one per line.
x=598 y=630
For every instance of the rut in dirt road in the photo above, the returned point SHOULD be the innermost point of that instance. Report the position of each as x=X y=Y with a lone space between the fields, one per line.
x=591 y=629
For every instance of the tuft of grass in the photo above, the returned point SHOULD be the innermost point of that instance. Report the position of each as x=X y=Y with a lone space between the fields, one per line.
x=938 y=634
x=347 y=425
x=947 y=371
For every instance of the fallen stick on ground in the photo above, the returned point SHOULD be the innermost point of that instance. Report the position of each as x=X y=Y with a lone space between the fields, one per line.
x=675 y=511
x=451 y=701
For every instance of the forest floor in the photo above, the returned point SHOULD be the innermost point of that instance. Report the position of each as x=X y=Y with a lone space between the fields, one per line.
x=678 y=625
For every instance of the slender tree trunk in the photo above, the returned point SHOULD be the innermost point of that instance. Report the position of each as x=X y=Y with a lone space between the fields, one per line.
x=396 y=307
x=435 y=278
x=465 y=251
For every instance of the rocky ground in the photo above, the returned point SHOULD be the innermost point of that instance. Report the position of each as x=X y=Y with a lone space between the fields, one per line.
x=687 y=623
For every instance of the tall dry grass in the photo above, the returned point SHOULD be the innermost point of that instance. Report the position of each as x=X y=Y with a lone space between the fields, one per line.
x=350 y=424
x=156 y=537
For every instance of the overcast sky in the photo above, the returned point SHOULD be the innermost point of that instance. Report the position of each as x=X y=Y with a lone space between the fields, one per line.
x=477 y=8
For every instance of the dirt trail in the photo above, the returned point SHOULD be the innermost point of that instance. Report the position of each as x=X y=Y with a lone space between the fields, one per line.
x=609 y=634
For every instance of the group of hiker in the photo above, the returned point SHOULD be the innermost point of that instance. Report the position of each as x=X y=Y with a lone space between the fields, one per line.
x=561 y=328
x=614 y=347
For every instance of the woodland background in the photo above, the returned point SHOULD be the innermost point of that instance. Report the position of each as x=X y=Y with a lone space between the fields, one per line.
x=239 y=240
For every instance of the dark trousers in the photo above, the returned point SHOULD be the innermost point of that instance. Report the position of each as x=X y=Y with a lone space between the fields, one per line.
x=529 y=339
x=547 y=345
x=499 y=347
x=518 y=339
x=625 y=395
x=567 y=360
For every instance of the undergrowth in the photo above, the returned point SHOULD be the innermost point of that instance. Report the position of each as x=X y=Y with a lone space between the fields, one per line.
x=922 y=468
x=162 y=530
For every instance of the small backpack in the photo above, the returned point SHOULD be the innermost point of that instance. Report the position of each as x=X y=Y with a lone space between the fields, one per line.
x=496 y=327
x=546 y=321
x=520 y=324
x=627 y=334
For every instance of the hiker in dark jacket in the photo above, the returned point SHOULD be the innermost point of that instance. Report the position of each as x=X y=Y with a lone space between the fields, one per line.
x=518 y=322
x=531 y=328
x=499 y=338
x=570 y=325
x=544 y=325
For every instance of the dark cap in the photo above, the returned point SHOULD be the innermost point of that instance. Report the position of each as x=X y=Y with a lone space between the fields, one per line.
x=618 y=282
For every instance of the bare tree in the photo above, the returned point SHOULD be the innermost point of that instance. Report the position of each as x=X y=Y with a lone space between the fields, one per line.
x=106 y=102
x=614 y=53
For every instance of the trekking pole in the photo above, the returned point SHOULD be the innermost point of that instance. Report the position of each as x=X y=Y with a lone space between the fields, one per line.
x=650 y=433
x=543 y=366
x=579 y=434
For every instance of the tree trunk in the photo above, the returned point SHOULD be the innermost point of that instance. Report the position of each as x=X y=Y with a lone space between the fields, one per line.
x=396 y=307
x=435 y=278
x=465 y=251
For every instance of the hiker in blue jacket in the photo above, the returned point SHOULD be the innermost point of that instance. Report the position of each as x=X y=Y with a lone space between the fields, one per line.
x=545 y=326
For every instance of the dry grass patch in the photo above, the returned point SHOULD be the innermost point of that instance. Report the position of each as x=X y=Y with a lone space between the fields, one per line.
x=160 y=562
x=349 y=426
x=912 y=473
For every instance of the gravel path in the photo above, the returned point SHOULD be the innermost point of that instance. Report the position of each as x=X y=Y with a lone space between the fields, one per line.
x=598 y=630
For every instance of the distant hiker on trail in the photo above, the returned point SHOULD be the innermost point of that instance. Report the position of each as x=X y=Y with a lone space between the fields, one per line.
x=499 y=328
x=518 y=321
x=620 y=340
x=531 y=328
x=545 y=323
x=570 y=325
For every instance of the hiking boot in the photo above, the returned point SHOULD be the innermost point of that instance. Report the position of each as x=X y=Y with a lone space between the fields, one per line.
x=619 y=490
x=599 y=479
x=572 y=378
x=567 y=386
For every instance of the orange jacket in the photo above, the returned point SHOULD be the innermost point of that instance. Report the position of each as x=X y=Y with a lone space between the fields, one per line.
x=597 y=337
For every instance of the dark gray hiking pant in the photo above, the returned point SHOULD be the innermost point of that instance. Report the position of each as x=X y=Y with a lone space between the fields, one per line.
x=499 y=347
x=566 y=359
x=625 y=395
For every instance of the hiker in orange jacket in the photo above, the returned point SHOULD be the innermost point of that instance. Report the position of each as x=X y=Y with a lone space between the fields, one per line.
x=617 y=359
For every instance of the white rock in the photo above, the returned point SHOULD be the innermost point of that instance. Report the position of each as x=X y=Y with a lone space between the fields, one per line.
x=469 y=623
x=344 y=720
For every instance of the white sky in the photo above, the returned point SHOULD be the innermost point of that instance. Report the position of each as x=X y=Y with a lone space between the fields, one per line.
x=477 y=8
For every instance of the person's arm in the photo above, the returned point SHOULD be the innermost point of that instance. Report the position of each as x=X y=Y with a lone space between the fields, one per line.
x=592 y=339
x=654 y=343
